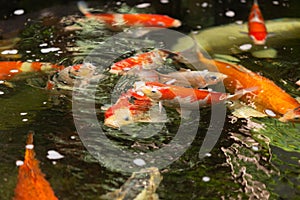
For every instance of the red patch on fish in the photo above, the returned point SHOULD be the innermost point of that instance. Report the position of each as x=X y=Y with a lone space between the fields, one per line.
x=256 y=25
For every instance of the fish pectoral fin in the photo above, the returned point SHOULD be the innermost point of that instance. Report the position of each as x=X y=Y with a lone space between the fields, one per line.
x=244 y=32
x=271 y=34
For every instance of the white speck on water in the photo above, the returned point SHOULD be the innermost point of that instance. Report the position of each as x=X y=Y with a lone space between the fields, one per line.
x=23 y=113
x=204 y=4
x=54 y=155
x=270 y=113
x=19 y=162
x=143 y=5
x=24 y=120
x=239 y=22
x=255 y=148
x=118 y=3
x=12 y=51
x=275 y=3
x=54 y=162
x=243 y=1
x=164 y=1
x=245 y=47
x=1 y=92
x=208 y=154
x=139 y=162
x=14 y=71
x=230 y=13
x=73 y=137
x=205 y=179
x=51 y=49
x=1 y=82
x=43 y=45
x=29 y=146
x=44 y=102
x=19 y=12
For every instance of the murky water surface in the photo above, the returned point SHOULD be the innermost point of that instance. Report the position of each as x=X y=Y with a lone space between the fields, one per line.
x=245 y=163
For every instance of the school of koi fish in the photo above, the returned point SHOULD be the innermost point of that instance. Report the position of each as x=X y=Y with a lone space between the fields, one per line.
x=180 y=89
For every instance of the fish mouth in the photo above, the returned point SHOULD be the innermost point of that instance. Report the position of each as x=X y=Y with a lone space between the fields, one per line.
x=176 y=23
x=111 y=122
x=259 y=42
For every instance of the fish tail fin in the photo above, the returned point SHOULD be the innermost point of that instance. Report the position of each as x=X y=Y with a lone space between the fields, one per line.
x=241 y=93
x=83 y=7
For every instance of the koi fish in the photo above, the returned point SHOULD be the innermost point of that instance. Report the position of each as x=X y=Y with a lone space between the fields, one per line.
x=148 y=60
x=31 y=180
x=130 y=107
x=8 y=69
x=196 y=79
x=66 y=78
x=176 y=96
x=257 y=30
x=130 y=20
x=268 y=98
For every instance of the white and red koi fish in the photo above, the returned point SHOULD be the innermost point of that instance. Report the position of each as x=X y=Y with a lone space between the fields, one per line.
x=187 y=78
x=176 y=96
x=131 y=107
x=31 y=180
x=131 y=20
x=257 y=30
x=9 y=69
x=148 y=60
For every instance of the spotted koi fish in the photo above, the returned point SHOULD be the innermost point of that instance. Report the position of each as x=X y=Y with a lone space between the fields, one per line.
x=131 y=20
x=9 y=69
x=176 y=96
x=148 y=60
x=268 y=98
x=131 y=107
x=257 y=30
x=31 y=180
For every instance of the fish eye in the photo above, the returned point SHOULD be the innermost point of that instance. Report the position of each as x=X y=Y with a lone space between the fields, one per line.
x=214 y=77
x=126 y=118
x=296 y=118
x=153 y=91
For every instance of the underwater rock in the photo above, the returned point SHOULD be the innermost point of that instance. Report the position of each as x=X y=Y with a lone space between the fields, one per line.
x=140 y=186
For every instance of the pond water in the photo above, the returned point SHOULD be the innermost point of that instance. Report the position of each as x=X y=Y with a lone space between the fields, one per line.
x=245 y=163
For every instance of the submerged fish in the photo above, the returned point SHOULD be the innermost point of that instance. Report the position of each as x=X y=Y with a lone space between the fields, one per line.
x=9 y=69
x=116 y=20
x=268 y=98
x=195 y=79
x=66 y=78
x=31 y=180
x=130 y=107
x=148 y=60
x=257 y=30
x=176 y=96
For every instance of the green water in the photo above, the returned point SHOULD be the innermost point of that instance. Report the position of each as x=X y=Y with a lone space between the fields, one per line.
x=244 y=163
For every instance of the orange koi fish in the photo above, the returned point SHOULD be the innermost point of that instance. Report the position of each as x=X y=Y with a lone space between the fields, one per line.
x=8 y=69
x=176 y=96
x=130 y=20
x=148 y=60
x=130 y=107
x=257 y=30
x=31 y=180
x=268 y=98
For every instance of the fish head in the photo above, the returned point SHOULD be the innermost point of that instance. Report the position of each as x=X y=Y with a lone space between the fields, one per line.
x=116 y=118
x=152 y=92
x=291 y=116
x=165 y=21
x=212 y=78
x=259 y=38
